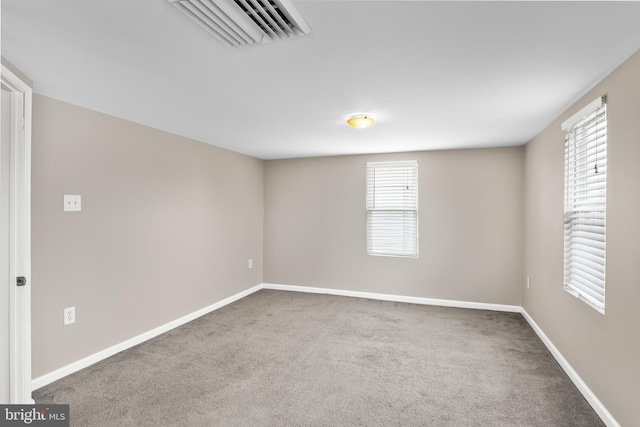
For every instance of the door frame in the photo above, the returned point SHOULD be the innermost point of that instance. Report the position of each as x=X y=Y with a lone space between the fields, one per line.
x=19 y=239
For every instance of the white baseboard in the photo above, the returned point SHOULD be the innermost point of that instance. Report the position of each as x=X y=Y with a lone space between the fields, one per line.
x=50 y=377
x=595 y=403
x=396 y=298
x=43 y=380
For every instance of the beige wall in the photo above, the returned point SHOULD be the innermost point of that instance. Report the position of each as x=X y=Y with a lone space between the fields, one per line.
x=604 y=350
x=166 y=228
x=470 y=221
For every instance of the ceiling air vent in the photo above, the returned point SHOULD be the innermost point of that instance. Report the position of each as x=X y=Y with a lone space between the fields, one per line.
x=238 y=23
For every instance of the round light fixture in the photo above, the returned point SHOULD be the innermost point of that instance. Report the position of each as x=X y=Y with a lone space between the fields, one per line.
x=360 y=121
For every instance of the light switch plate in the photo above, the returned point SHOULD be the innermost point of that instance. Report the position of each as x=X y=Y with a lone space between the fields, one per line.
x=72 y=203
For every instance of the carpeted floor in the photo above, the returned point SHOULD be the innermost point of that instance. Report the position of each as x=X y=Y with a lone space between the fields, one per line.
x=280 y=358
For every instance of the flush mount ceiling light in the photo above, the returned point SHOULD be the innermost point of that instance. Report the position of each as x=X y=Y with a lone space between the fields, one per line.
x=360 y=121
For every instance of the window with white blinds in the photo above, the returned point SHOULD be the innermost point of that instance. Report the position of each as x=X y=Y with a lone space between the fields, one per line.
x=392 y=208
x=585 y=189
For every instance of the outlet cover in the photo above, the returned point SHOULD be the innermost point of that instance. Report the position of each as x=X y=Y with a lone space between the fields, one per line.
x=69 y=315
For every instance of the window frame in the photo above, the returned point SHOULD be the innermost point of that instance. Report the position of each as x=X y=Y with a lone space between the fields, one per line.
x=409 y=248
x=585 y=199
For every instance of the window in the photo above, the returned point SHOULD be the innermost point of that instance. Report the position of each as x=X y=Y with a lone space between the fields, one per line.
x=585 y=189
x=392 y=208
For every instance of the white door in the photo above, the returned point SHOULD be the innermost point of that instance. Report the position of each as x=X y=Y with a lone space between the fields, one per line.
x=15 y=249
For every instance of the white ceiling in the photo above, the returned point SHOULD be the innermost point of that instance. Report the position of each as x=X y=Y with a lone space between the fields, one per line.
x=435 y=75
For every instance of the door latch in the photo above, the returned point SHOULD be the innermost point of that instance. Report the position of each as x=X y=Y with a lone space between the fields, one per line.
x=21 y=281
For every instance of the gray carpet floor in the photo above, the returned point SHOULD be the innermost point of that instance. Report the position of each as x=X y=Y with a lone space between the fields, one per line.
x=280 y=358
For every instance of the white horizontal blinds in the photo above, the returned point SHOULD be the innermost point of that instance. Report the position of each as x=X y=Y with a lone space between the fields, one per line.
x=392 y=208
x=585 y=205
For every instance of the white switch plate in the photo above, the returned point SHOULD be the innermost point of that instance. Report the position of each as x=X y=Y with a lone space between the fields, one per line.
x=250 y=264
x=72 y=203
x=528 y=282
x=69 y=315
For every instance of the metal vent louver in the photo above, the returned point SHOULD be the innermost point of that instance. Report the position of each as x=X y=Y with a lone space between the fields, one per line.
x=238 y=23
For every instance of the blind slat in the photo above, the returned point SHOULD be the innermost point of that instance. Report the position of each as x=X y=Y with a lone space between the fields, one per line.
x=592 y=290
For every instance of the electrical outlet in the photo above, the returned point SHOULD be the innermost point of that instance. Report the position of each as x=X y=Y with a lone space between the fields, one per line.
x=69 y=315
x=250 y=264
x=528 y=282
